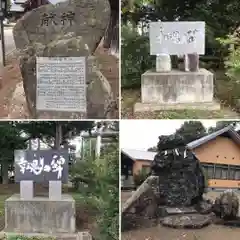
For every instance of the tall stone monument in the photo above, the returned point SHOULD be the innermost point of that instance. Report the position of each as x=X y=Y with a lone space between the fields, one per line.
x=61 y=77
x=187 y=87
x=29 y=214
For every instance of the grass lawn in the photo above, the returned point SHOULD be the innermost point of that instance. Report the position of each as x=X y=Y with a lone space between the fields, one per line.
x=224 y=90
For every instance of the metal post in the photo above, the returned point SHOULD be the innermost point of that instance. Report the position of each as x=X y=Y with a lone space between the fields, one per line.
x=3 y=43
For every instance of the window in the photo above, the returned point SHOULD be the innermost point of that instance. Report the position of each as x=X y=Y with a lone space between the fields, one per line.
x=209 y=170
x=224 y=174
x=237 y=176
x=218 y=172
x=232 y=175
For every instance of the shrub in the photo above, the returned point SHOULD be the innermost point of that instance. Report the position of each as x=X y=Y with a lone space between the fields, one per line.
x=140 y=177
x=135 y=57
x=232 y=61
x=228 y=88
x=101 y=176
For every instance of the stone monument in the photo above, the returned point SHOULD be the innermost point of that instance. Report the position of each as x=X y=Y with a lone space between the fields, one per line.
x=174 y=188
x=61 y=77
x=187 y=87
x=35 y=215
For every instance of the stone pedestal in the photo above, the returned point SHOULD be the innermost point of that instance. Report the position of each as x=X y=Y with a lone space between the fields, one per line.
x=40 y=215
x=163 y=63
x=177 y=90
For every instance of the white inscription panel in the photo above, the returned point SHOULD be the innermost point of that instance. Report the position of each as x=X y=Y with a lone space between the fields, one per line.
x=177 y=38
x=61 y=84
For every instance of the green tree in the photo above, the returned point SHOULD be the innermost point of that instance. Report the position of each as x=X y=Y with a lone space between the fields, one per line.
x=101 y=176
x=10 y=139
x=189 y=131
x=222 y=124
x=54 y=133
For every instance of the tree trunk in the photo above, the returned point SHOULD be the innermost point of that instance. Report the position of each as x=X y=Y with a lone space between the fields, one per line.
x=58 y=138
x=4 y=170
x=111 y=38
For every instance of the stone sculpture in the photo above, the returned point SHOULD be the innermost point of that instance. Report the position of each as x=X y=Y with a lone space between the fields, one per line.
x=68 y=29
x=181 y=181
x=176 y=185
x=226 y=205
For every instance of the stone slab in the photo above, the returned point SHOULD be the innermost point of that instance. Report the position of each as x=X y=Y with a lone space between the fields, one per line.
x=40 y=215
x=181 y=210
x=55 y=190
x=151 y=107
x=177 y=87
x=26 y=190
x=177 y=37
x=192 y=221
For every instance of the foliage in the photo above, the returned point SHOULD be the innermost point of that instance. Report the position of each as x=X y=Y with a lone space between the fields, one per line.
x=22 y=237
x=140 y=177
x=46 y=130
x=101 y=178
x=135 y=57
x=189 y=131
x=232 y=62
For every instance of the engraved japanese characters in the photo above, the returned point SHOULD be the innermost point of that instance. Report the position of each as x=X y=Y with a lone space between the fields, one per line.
x=41 y=165
x=61 y=84
x=184 y=39
x=69 y=29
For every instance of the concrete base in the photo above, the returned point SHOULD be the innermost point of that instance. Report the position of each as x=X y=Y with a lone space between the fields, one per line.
x=151 y=107
x=40 y=215
x=62 y=236
x=176 y=87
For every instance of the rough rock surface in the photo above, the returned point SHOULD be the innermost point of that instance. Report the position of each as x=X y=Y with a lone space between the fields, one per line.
x=187 y=221
x=204 y=206
x=142 y=205
x=48 y=37
x=181 y=180
x=226 y=205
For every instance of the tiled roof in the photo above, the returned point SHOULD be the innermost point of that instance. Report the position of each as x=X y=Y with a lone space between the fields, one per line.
x=139 y=154
x=227 y=130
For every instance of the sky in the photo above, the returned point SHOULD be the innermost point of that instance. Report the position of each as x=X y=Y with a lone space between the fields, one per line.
x=143 y=134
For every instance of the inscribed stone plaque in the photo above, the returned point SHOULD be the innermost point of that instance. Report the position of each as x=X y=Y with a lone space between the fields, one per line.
x=177 y=38
x=41 y=165
x=61 y=84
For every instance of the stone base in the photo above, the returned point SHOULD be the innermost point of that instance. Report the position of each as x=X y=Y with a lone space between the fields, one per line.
x=191 y=221
x=177 y=87
x=151 y=107
x=62 y=236
x=40 y=215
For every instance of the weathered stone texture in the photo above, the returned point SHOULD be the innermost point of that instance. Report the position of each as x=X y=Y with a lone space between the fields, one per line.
x=181 y=181
x=79 y=39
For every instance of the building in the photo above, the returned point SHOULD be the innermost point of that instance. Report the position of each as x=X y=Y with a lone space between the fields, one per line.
x=219 y=154
x=133 y=161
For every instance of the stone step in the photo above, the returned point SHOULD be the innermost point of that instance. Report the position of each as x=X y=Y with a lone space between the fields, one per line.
x=168 y=211
x=180 y=210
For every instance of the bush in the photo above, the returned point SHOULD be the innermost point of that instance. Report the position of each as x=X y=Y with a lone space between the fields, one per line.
x=228 y=87
x=232 y=62
x=140 y=177
x=135 y=55
x=101 y=176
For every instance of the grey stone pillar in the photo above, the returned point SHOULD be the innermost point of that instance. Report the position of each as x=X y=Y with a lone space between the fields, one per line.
x=55 y=190
x=26 y=190
x=163 y=63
